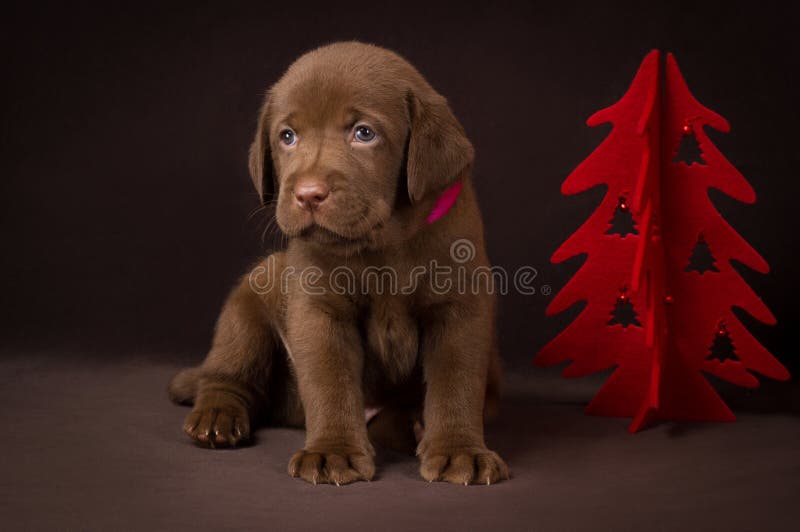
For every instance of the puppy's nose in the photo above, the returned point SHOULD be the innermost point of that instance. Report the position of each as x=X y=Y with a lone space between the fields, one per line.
x=311 y=194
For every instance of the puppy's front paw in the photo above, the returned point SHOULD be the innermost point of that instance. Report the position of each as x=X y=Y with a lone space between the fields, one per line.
x=332 y=467
x=465 y=465
x=218 y=427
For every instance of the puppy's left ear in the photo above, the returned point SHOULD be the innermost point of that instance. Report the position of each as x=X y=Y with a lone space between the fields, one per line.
x=261 y=170
x=438 y=149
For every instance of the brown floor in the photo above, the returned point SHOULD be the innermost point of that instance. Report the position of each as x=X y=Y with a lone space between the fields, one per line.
x=95 y=445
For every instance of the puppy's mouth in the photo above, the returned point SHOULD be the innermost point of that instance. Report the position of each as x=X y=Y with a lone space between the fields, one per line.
x=349 y=230
x=327 y=235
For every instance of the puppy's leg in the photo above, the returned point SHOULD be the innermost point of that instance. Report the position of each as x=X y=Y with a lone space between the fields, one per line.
x=325 y=346
x=230 y=388
x=456 y=358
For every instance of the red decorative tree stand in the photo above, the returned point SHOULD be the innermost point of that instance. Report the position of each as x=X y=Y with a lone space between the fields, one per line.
x=658 y=283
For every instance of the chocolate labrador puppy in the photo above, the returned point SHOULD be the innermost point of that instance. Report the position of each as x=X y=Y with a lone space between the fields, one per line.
x=381 y=301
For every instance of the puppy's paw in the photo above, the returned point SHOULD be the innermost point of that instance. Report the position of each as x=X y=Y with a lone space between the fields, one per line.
x=332 y=467
x=218 y=427
x=465 y=465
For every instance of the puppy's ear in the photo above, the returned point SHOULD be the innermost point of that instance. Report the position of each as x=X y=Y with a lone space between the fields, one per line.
x=438 y=149
x=261 y=170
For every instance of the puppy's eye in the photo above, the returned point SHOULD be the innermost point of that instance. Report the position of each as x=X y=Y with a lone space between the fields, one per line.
x=364 y=134
x=288 y=137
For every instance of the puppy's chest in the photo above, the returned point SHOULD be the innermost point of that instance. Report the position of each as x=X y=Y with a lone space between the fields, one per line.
x=392 y=336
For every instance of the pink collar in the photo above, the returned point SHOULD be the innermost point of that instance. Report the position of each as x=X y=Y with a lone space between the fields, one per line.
x=445 y=202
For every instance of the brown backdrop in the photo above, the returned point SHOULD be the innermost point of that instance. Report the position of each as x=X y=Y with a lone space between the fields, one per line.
x=125 y=132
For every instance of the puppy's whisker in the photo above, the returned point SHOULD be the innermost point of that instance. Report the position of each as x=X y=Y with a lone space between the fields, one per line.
x=270 y=228
x=255 y=211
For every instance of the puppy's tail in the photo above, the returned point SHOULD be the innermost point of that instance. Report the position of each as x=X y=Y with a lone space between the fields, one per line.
x=182 y=389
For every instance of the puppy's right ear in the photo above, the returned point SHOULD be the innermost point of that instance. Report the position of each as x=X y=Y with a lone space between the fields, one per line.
x=261 y=170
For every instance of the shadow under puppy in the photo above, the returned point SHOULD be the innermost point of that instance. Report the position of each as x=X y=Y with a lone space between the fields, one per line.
x=370 y=307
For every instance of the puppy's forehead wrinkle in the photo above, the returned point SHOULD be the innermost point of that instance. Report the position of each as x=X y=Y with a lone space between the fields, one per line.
x=331 y=78
x=339 y=103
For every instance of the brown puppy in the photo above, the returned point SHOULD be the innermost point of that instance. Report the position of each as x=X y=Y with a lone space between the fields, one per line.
x=369 y=307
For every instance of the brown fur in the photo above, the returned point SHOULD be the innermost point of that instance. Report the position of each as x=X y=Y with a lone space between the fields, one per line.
x=426 y=357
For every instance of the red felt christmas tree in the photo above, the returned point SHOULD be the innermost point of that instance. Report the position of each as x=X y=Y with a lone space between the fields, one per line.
x=657 y=281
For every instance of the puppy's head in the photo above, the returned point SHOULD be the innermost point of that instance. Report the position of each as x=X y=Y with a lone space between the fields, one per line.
x=350 y=141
